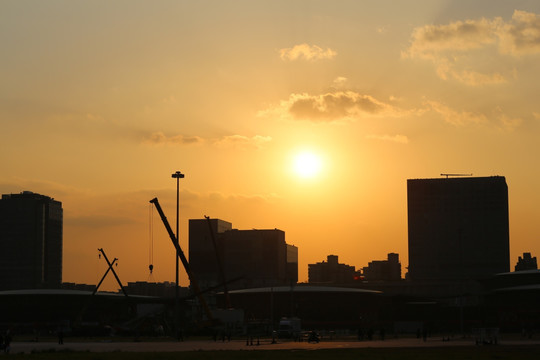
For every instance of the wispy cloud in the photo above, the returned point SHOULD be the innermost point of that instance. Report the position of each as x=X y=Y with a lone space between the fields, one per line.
x=521 y=35
x=306 y=52
x=241 y=141
x=237 y=141
x=400 y=139
x=159 y=138
x=460 y=50
x=331 y=106
x=339 y=82
x=454 y=117
x=496 y=118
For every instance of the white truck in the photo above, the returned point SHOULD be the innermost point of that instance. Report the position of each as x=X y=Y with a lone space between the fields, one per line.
x=289 y=328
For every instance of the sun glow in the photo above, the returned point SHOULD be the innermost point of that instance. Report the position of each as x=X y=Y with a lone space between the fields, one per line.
x=307 y=164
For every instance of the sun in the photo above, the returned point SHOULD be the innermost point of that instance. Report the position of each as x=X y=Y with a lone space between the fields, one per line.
x=307 y=164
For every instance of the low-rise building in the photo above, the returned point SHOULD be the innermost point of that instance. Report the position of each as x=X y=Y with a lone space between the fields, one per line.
x=331 y=272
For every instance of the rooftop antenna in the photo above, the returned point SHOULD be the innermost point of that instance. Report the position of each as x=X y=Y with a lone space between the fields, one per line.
x=447 y=175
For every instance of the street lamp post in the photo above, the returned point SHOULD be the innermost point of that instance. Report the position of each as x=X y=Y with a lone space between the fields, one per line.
x=177 y=175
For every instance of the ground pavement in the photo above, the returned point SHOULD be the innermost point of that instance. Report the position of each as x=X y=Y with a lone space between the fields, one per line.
x=241 y=344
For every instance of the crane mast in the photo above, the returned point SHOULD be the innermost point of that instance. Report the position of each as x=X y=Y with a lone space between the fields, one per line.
x=183 y=259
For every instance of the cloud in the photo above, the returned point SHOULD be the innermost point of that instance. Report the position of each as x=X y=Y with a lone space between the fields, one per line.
x=496 y=118
x=521 y=35
x=461 y=49
x=507 y=122
x=400 y=139
x=331 y=106
x=455 y=117
x=242 y=198
x=158 y=138
x=339 y=82
x=306 y=52
x=240 y=141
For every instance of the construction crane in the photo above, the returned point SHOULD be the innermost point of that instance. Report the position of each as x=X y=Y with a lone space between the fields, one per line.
x=182 y=257
x=114 y=273
x=109 y=268
x=455 y=175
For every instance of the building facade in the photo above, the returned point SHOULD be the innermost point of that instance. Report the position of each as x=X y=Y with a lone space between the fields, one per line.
x=383 y=270
x=31 y=228
x=202 y=251
x=457 y=228
x=248 y=258
x=330 y=272
x=527 y=262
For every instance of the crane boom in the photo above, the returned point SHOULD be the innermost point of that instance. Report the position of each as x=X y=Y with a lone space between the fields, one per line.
x=182 y=257
x=114 y=272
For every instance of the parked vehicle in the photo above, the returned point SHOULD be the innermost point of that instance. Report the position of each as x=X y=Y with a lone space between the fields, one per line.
x=289 y=328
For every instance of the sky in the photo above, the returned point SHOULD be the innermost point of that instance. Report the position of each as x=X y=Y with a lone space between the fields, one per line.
x=101 y=101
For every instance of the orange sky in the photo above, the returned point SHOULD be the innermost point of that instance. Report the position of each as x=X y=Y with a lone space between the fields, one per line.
x=101 y=102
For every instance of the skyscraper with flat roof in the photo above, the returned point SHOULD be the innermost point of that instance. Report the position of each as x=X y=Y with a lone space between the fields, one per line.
x=458 y=228
x=30 y=241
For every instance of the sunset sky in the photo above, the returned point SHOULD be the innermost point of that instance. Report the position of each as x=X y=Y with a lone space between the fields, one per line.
x=101 y=101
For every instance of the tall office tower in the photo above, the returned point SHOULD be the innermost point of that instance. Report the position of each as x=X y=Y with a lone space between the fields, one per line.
x=30 y=241
x=202 y=252
x=458 y=228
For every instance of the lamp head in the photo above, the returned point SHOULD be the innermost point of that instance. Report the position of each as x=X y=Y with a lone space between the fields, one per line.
x=178 y=175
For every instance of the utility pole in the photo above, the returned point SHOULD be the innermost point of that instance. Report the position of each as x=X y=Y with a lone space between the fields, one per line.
x=177 y=175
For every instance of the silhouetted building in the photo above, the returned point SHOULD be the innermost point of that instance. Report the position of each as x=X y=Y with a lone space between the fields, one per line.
x=458 y=228
x=526 y=263
x=30 y=241
x=292 y=263
x=161 y=289
x=203 y=259
x=383 y=270
x=331 y=272
x=251 y=258
x=78 y=287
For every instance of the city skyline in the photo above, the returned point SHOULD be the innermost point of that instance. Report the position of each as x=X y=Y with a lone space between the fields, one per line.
x=307 y=116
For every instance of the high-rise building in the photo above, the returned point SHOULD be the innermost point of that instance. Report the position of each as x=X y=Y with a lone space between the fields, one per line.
x=30 y=241
x=458 y=228
x=252 y=258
